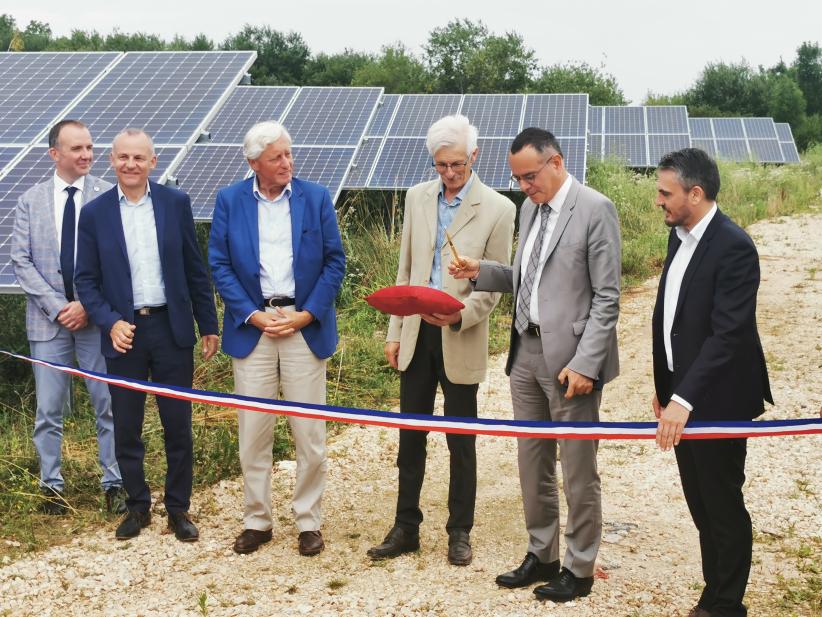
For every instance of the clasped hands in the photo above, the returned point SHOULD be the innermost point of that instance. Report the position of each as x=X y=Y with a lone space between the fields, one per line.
x=122 y=337
x=280 y=322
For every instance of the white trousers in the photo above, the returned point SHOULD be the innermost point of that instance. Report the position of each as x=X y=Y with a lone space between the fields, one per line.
x=284 y=365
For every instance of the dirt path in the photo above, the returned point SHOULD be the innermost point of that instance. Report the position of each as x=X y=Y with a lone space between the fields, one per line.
x=650 y=553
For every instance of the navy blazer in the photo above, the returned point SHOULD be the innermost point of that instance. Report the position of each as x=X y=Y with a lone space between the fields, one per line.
x=319 y=263
x=719 y=366
x=103 y=274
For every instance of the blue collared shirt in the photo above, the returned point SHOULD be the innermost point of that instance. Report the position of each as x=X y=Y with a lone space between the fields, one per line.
x=445 y=216
x=140 y=231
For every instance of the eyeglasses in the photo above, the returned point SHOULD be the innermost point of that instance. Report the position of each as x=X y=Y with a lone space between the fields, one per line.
x=455 y=167
x=529 y=178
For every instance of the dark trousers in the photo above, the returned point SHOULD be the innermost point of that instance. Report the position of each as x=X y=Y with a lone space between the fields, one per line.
x=153 y=354
x=418 y=388
x=713 y=472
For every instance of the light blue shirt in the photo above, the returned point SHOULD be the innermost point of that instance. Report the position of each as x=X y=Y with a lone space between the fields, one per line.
x=140 y=231
x=445 y=216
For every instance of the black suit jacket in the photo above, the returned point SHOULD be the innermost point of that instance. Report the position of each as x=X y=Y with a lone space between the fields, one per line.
x=719 y=366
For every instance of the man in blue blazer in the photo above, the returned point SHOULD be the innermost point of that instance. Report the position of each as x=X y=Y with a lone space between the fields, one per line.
x=142 y=280
x=708 y=365
x=277 y=260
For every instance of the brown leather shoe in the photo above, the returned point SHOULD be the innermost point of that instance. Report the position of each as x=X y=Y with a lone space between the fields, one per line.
x=250 y=540
x=698 y=611
x=311 y=543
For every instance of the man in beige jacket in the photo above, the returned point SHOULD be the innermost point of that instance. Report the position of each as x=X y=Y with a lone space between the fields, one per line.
x=446 y=350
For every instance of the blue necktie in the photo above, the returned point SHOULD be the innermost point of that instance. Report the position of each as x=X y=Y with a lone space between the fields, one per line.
x=67 y=244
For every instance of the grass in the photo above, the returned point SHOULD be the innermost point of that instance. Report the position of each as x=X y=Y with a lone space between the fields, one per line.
x=357 y=374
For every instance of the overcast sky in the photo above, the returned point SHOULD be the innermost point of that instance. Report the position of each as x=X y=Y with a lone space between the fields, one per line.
x=656 y=46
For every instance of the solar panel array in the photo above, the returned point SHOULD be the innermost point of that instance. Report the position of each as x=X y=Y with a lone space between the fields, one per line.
x=786 y=142
x=741 y=139
x=640 y=136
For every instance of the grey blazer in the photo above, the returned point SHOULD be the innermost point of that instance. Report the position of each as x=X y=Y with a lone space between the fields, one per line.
x=579 y=288
x=36 y=257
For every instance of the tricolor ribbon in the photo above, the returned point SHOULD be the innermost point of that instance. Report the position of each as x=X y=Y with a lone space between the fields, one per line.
x=448 y=424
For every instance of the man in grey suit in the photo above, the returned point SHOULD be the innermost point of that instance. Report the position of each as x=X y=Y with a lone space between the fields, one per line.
x=58 y=329
x=566 y=279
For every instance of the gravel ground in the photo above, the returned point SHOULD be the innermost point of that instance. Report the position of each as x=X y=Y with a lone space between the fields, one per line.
x=649 y=562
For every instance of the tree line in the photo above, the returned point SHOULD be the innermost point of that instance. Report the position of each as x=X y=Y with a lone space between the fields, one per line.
x=465 y=57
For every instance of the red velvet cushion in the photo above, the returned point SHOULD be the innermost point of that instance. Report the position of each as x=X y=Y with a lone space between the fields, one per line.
x=406 y=300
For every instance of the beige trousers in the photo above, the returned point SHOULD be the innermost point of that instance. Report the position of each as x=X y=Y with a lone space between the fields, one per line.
x=284 y=365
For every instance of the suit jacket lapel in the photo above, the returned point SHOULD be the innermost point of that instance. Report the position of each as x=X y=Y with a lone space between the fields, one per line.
x=116 y=222
x=565 y=213
x=699 y=253
x=159 y=219
x=250 y=212
x=45 y=216
x=297 y=206
x=430 y=207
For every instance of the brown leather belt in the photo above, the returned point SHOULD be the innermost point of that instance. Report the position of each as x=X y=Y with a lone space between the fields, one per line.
x=150 y=310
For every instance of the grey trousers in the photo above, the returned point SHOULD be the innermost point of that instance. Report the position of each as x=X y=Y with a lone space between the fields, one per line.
x=537 y=395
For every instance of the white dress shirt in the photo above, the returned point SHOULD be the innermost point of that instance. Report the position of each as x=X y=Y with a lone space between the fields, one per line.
x=276 y=252
x=60 y=198
x=555 y=206
x=140 y=231
x=673 y=284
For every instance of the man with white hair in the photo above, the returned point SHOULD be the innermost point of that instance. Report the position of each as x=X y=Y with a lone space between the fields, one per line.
x=277 y=261
x=446 y=350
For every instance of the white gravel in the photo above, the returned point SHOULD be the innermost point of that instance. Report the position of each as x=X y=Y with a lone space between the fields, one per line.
x=649 y=554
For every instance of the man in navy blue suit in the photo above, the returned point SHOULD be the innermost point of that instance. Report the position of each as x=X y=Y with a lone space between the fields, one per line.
x=708 y=365
x=277 y=260
x=142 y=280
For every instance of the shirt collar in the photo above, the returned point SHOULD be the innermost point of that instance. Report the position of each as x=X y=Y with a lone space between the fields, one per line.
x=62 y=185
x=463 y=191
x=286 y=194
x=558 y=200
x=123 y=199
x=698 y=230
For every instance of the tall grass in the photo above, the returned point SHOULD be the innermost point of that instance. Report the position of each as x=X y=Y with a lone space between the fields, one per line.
x=358 y=375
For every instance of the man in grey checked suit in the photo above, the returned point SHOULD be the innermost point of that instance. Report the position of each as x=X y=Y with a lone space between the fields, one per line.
x=58 y=329
x=566 y=279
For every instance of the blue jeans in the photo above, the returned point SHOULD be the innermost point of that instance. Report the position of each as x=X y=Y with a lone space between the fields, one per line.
x=52 y=395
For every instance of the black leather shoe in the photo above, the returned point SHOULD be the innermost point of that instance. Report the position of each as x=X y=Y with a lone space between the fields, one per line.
x=250 y=540
x=459 y=548
x=530 y=571
x=397 y=542
x=184 y=530
x=116 y=500
x=310 y=543
x=565 y=587
x=698 y=611
x=54 y=502
x=132 y=524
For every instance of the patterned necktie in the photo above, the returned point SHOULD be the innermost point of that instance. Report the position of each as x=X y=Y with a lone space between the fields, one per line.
x=67 y=244
x=523 y=315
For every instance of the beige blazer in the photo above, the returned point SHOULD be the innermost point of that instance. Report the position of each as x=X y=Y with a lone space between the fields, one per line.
x=482 y=228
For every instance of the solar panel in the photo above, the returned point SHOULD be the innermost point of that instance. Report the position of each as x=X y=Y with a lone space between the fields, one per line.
x=728 y=128
x=246 y=106
x=708 y=145
x=36 y=87
x=629 y=148
x=660 y=145
x=492 y=163
x=759 y=128
x=701 y=128
x=789 y=152
x=35 y=167
x=323 y=165
x=667 y=119
x=331 y=116
x=565 y=115
x=417 y=112
x=385 y=111
x=169 y=94
x=766 y=151
x=595 y=119
x=595 y=147
x=363 y=163
x=574 y=150
x=7 y=154
x=494 y=115
x=624 y=120
x=735 y=150
x=205 y=170
x=404 y=162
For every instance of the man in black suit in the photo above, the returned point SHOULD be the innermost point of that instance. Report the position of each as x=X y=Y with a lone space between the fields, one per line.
x=708 y=365
x=142 y=280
